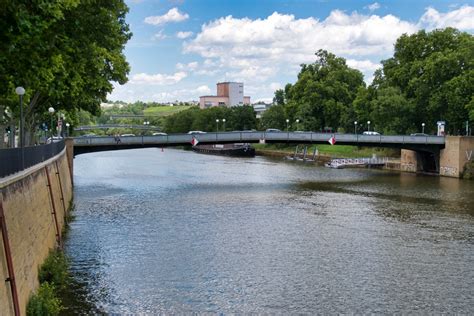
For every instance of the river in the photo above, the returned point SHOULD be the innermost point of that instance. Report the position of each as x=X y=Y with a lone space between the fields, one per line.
x=178 y=232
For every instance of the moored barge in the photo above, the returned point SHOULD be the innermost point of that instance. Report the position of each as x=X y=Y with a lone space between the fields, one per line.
x=233 y=150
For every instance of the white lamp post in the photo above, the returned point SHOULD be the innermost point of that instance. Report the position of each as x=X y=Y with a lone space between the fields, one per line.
x=67 y=129
x=355 y=127
x=217 y=125
x=223 y=121
x=368 y=126
x=51 y=111
x=298 y=124
x=21 y=91
x=422 y=128
x=287 y=121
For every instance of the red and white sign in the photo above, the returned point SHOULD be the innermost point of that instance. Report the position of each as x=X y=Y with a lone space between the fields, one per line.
x=194 y=141
x=332 y=140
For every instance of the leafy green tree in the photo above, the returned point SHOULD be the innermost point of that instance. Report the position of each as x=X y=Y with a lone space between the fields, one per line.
x=66 y=54
x=279 y=98
x=435 y=71
x=325 y=91
x=274 y=117
x=242 y=118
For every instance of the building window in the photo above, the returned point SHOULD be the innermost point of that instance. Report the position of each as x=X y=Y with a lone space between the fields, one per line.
x=221 y=103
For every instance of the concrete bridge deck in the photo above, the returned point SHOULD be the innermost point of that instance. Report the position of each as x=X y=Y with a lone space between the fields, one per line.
x=419 y=143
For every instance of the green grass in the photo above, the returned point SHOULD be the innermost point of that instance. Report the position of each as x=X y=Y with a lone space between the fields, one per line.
x=341 y=151
x=164 y=110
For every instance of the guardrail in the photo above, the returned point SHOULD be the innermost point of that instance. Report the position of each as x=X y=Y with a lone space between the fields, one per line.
x=252 y=137
x=13 y=160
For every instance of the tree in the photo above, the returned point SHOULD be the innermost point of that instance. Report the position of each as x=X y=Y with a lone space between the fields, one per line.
x=274 y=117
x=66 y=54
x=324 y=92
x=434 y=71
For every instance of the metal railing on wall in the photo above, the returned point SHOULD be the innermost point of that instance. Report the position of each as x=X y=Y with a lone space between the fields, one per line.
x=14 y=160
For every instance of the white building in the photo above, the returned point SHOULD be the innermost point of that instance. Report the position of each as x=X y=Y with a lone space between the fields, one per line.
x=228 y=94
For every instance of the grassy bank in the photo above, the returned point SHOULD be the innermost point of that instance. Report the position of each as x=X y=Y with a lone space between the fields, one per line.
x=339 y=151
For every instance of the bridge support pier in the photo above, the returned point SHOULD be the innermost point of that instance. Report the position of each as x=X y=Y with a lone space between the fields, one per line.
x=458 y=151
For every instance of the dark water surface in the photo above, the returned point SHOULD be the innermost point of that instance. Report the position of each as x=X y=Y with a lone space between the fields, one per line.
x=179 y=232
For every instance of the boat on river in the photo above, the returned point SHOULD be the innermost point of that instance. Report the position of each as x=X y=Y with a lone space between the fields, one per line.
x=233 y=150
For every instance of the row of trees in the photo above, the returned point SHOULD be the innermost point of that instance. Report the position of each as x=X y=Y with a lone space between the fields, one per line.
x=66 y=54
x=236 y=118
x=430 y=78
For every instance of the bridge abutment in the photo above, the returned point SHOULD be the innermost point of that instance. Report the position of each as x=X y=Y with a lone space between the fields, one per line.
x=449 y=163
x=457 y=152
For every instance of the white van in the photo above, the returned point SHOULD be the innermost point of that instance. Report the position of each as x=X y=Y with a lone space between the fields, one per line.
x=370 y=133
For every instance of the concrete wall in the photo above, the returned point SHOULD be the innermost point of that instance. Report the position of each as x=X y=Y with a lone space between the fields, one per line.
x=31 y=227
x=409 y=161
x=458 y=151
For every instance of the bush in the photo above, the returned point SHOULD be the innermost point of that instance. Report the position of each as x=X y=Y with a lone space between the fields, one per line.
x=468 y=172
x=54 y=270
x=44 y=302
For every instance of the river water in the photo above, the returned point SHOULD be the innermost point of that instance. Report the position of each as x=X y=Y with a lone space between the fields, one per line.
x=178 y=232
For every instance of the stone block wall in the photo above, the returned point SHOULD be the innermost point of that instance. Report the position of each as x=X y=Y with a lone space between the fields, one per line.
x=458 y=151
x=32 y=229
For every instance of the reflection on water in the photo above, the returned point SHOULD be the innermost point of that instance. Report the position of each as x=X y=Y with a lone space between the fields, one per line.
x=179 y=232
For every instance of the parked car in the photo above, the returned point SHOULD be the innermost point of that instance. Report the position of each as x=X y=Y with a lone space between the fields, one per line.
x=159 y=134
x=272 y=130
x=125 y=135
x=419 y=134
x=196 y=132
x=372 y=133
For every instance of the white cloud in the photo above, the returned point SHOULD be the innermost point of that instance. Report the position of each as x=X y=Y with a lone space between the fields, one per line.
x=159 y=36
x=265 y=48
x=158 y=79
x=374 y=6
x=190 y=66
x=462 y=18
x=173 y=15
x=266 y=53
x=183 y=35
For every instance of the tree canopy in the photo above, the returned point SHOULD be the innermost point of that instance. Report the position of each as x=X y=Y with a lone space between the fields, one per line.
x=429 y=78
x=66 y=54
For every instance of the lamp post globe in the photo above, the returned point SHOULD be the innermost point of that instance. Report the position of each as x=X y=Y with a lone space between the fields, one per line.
x=368 y=126
x=67 y=129
x=298 y=124
x=51 y=111
x=355 y=127
x=287 y=121
x=21 y=91
x=223 y=121
x=423 y=128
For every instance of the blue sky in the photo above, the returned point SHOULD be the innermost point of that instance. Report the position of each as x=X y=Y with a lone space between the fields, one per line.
x=180 y=49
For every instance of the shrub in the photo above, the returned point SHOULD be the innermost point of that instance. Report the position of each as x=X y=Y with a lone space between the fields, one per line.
x=44 y=302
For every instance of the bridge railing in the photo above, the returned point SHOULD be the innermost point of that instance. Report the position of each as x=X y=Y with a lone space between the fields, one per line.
x=13 y=160
x=294 y=137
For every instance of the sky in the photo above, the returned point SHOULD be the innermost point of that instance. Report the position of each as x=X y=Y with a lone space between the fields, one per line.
x=180 y=49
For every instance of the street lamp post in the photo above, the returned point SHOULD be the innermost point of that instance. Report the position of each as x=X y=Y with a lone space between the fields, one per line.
x=145 y=123
x=217 y=125
x=355 y=127
x=287 y=121
x=21 y=91
x=51 y=111
x=298 y=124
x=368 y=126
x=223 y=122
x=422 y=128
x=67 y=129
